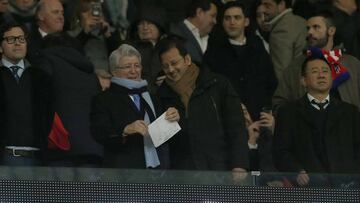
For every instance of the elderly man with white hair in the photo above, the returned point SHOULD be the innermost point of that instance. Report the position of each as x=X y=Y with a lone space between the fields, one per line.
x=120 y=116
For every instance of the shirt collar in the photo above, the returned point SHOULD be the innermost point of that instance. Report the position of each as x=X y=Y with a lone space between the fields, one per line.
x=42 y=33
x=234 y=42
x=202 y=41
x=191 y=27
x=327 y=99
x=276 y=19
x=8 y=64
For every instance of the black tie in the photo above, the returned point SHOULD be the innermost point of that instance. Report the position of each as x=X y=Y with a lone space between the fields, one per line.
x=145 y=107
x=14 y=71
x=320 y=105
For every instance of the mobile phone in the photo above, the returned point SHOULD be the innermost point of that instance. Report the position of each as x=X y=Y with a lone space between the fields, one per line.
x=266 y=109
x=96 y=9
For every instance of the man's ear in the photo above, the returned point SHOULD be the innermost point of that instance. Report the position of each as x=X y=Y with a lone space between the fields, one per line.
x=247 y=22
x=187 y=59
x=332 y=30
x=302 y=81
x=40 y=16
x=199 y=12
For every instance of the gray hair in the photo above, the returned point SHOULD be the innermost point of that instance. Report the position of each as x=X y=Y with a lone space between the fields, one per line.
x=122 y=51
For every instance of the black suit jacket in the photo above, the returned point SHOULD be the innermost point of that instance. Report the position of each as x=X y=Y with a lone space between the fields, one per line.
x=111 y=111
x=35 y=45
x=293 y=144
x=191 y=45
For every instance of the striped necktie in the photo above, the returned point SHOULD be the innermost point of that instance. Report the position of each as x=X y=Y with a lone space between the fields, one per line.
x=14 y=71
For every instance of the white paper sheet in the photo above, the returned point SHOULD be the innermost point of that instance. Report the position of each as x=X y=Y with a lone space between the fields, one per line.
x=162 y=130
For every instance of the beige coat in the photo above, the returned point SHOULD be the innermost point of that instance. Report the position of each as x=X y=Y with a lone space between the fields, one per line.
x=287 y=40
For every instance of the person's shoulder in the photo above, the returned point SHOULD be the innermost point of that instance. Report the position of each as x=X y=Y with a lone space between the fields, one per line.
x=291 y=17
x=255 y=43
x=36 y=71
x=289 y=107
x=291 y=22
x=164 y=91
x=345 y=106
x=105 y=95
x=177 y=27
x=207 y=74
x=349 y=59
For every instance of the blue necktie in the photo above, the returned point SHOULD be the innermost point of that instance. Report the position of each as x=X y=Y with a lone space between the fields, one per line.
x=14 y=71
x=136 y=98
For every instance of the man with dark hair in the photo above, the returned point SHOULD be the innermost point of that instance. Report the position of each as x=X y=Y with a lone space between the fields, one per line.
x=195 y=29
x=346 y=72
x=242 y=58
x=213 y=130
x=317 y=133
x=25 y=104
x=287 y=35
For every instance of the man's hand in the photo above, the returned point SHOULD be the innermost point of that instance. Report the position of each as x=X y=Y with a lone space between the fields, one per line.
x=267 y=120
x=138 y=126
x=239 y=174
x=303 y=178
x=160 y=80
x=254 y=132
x=172 y=114
x=89 y=22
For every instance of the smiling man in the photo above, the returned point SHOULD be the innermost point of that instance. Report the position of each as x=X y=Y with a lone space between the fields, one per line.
x=213 y=130
x=317 y=133
x=121 y=114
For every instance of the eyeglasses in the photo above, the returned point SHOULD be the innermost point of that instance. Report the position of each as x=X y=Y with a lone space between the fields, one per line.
x=129 y=66
x=12 y=39
x=174 y=63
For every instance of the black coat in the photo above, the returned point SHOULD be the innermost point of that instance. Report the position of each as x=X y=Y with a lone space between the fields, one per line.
x=213 y=135
x=293 y=142
x=250 y=72
x=112 y=110
x=42 y=105
x=75 y=83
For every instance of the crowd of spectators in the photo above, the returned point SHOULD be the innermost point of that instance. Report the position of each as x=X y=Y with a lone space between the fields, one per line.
x=256 y=85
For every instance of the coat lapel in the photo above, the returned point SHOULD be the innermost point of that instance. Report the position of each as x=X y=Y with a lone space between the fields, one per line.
x=190 y=37
x=124 y=98
x=334 y=115
x=305 y=110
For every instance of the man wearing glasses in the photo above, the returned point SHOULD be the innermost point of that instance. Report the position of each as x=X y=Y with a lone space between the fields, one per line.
x=25 y=115
x=121 y=114
x=213 y=135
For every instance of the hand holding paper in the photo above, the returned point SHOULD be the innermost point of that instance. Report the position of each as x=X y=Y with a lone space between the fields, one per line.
x=162 y=130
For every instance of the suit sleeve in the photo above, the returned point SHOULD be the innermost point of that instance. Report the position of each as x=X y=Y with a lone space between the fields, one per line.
x=101 y=123
x=283 y=140
x=285 y=41
x=282 y=92
x=235 y=128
